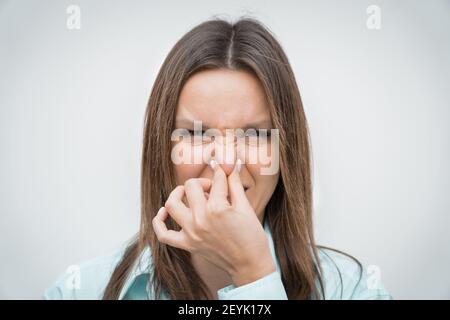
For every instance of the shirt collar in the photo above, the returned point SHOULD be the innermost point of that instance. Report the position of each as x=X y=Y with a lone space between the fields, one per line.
x=144 y=264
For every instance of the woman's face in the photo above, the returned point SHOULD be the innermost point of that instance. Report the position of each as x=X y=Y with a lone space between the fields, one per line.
x=225 y=99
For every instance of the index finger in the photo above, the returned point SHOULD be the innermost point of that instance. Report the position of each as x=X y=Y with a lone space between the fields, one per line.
x=177 y=239
x=195 y=189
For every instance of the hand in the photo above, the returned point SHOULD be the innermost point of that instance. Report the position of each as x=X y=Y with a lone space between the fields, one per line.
x=225 y=232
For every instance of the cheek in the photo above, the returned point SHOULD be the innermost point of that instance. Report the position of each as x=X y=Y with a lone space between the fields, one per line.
x=184 y=166
x=264 y=184
x=262 y=158
x=184 y=172
x=263 y=189
x=189 y=161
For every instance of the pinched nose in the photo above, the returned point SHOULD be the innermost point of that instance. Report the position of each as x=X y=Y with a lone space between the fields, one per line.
x=227 y=168
x=225 y=156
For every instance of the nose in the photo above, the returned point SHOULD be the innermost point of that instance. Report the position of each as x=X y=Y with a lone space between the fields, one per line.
x=227 y=168
x=225 y=155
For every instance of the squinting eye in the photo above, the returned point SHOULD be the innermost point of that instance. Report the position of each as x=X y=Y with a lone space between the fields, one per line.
x=257 y=133
x=197 y=137
x=197 y=133
x=256 y=137
x=251 y=133
x=191 y=133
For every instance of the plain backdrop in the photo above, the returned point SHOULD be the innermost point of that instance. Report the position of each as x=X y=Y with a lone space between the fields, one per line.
x=72 y=103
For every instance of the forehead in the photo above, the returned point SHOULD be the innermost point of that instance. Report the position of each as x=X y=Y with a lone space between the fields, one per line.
x=223 y=98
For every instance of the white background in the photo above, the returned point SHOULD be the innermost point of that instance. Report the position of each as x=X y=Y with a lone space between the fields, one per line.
x=71 y=115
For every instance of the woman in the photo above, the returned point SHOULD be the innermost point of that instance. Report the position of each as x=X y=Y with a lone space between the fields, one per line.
x=222 y=227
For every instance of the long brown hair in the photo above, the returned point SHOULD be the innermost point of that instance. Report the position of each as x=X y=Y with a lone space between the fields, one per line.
x=244 y=45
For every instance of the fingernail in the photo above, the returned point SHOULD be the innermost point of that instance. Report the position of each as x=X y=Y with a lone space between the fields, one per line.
x=238 y=165
x=212 y=164
x=160 y=210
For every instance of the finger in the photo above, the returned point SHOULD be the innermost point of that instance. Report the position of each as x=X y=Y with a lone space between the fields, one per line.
x=237 y=193
x=177 y=209
x=177 y=239
x=195 y=193
x=219 y=188
x=206 y=185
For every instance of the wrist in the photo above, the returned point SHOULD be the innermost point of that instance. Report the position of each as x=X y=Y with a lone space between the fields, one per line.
x=253 y=272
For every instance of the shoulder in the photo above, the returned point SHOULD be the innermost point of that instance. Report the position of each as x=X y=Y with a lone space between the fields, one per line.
x=86 y=280
x=346 y=278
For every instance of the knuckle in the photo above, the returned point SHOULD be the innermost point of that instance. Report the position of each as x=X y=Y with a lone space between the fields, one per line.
x=158 y=235
x=162 y=238
x=200 y=227
x=196 y=241
x=215 y=207
x=190 y=182
x=169 y=204
x=179 y=188
x=174 y=192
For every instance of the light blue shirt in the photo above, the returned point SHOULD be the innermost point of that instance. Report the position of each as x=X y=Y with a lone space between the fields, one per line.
x=88 y=280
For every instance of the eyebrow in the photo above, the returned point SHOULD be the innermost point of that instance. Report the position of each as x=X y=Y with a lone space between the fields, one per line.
x=262 y=124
